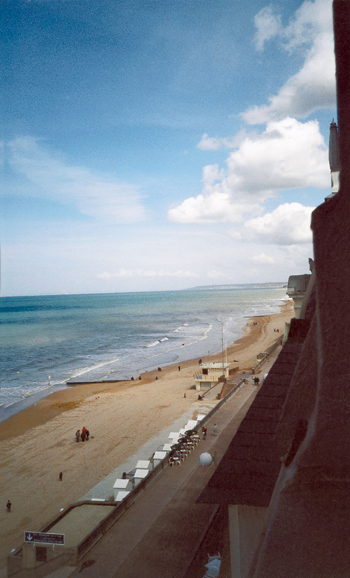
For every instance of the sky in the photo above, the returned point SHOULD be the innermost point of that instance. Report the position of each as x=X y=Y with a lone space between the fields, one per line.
x=161 y=144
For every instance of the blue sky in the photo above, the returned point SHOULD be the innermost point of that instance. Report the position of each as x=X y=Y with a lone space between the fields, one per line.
x=160 y=145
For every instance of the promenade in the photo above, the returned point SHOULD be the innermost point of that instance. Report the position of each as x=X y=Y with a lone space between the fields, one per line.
x=160 y=534
x=165 y=532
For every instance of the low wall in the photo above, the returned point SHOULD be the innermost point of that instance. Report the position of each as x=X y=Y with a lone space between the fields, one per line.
x=266 y=355
x=15 y=564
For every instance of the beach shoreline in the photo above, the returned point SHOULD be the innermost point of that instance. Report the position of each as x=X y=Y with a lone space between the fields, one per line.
x=43 y=408
x=38 y=442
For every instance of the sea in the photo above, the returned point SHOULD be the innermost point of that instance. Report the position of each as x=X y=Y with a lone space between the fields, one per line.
x=51 y=340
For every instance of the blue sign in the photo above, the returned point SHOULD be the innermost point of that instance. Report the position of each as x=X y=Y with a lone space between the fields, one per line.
x=44 y=538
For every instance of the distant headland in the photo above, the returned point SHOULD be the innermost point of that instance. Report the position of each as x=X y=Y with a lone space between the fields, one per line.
x=277 y=285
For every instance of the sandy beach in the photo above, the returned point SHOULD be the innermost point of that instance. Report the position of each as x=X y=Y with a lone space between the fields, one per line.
x=37 y=443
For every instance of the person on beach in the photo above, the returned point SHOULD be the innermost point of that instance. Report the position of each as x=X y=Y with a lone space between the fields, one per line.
x=179 y=367
x=83 y=434
x=8 y=506
x=60 y=476
x=87 y=433
x=215 y=430
x=77 y=435
x=204 y=432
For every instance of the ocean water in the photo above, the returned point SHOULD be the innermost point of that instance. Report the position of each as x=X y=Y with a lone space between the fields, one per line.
x=49 y=340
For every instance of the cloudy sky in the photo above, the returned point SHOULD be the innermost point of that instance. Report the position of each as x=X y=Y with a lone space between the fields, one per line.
x=162 y=144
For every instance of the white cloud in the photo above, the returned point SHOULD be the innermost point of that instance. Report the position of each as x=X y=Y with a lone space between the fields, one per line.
x=263 y=259
x=213 y=205
x=215 y=143
x=217 y=274
x=209 y=144
x=144 y=273
x=314 y=85
x=97 y=195
x=268 y=25
x=289 y=224
x=287 y=155
x=235 y=235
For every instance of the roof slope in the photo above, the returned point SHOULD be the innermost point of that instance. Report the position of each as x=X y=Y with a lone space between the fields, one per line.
x=249 y=469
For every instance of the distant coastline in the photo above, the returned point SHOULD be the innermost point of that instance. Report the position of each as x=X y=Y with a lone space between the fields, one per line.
x=276 y=285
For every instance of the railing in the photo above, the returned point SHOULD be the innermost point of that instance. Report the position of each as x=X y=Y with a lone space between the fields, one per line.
x=266 y=355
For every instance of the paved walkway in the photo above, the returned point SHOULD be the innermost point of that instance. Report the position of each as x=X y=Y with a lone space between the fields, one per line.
x=161 y=531
x=104 y=489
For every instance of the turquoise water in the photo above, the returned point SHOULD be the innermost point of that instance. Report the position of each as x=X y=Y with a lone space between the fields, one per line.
x=49 y=340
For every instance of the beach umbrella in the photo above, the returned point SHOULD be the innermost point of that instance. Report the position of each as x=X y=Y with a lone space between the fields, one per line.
x=176 y=446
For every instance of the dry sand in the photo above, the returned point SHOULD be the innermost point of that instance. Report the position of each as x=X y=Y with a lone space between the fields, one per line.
x=37 y=443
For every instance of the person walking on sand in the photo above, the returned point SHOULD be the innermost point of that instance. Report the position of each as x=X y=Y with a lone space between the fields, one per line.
x=87 y=433
x=8 y=506
x=83 y=434
x=60 y=476
x=77 y=435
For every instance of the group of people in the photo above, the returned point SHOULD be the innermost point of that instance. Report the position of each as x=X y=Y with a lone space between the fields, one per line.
x=83 y=435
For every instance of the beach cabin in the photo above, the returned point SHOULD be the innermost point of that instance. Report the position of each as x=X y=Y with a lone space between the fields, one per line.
x=121 y=495
x=139 y=475
x=121 y=485
x=143 y=465
x=211 y=374
x=158 y=457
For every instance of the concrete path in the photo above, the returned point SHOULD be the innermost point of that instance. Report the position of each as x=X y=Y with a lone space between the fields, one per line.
x=160 y=533
x=104 y=489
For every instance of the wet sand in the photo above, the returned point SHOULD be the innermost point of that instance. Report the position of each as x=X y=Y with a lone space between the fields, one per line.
x=37 y=443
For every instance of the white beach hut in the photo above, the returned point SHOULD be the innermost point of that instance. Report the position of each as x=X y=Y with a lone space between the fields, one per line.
x=191 y=424
x=120 y=484
x=121 y=495
x=140 y=475
x=143 y=464
x=158 y=457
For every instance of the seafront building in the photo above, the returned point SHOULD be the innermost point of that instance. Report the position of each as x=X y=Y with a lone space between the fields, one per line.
x=286 y=476
x=210 y=374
